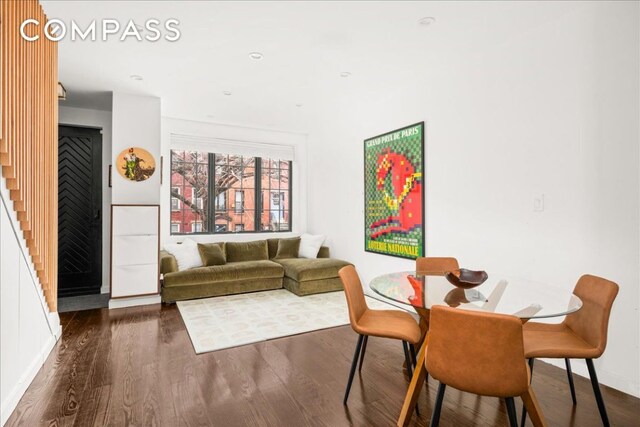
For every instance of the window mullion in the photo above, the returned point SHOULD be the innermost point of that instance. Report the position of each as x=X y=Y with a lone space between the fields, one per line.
x=289 y=205
x=257 y=214
x=211 y=189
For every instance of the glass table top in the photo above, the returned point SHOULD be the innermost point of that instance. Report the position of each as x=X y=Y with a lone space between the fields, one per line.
x=518 y=297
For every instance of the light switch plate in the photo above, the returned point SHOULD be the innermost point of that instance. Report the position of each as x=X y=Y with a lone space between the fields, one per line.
x=538 y=203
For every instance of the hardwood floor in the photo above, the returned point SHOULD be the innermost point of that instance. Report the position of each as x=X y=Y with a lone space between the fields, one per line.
x=137 y=367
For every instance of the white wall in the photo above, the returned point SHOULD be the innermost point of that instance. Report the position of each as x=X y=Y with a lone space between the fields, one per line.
x=28 y=331
x=97 y=119
x=553 y=110
x=136 y=123
x=236 y=133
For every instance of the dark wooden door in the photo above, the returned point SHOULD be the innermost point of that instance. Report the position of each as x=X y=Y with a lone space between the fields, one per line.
x=79 y=211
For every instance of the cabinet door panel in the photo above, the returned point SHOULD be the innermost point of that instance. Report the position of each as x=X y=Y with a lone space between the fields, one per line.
x=131 y=280
x=135 y=220
x=130 y=250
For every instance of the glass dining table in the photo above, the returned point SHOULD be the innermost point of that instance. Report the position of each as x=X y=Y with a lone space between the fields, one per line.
x=498 y=294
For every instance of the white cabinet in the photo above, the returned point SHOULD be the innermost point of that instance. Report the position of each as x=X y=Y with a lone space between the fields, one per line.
x=135 y=248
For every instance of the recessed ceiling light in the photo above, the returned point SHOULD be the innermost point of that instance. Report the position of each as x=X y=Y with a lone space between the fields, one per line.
x=426 y=21
x=345 y=74
x=298 y=105
x=257 y=56
x=211 y=116
x=227 y=92
x=135 y=77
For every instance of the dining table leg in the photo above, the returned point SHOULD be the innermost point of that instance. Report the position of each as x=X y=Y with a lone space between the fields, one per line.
x=415 y=387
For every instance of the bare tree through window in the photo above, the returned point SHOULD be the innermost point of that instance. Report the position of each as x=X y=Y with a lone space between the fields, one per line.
x=194 y=175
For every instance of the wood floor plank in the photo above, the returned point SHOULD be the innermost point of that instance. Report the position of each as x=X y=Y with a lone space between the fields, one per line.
x=137 y=366
x=53 y=376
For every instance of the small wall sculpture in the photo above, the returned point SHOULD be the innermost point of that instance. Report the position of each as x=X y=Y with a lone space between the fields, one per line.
x=135 y=164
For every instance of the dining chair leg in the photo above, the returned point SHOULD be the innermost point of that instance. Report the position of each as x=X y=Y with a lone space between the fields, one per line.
x=567 y=363
x=523 y=420
x=407 y=359
x=435 y=415
x=415 y=386
x=511 y=411
x=354 y=364
x=596 y=391
x=412 y=348
x=364 y=349
x=531 y=404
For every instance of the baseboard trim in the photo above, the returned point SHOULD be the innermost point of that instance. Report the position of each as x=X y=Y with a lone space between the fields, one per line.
x=133 y=301
x=13 y=398
x=610 y=379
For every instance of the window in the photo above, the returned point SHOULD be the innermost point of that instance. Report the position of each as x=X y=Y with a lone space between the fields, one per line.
x=239 y=205
x=175 y=198
x=276 y=199
x=198 y=201
x=190 y=185
x=221 y=202
x=248 y=194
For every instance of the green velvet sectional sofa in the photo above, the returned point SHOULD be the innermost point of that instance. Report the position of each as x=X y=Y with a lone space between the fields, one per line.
x=250 y=267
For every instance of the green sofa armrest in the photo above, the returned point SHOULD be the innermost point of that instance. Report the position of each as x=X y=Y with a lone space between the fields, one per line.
x=324 y=252
x=168 y=263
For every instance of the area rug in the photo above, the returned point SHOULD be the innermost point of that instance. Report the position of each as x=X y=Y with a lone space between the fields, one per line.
x=234 y=320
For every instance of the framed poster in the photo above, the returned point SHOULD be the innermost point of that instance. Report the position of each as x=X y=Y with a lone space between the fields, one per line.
x=393 y=192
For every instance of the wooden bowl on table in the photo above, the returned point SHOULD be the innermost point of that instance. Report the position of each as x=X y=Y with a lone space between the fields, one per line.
x=466 y=279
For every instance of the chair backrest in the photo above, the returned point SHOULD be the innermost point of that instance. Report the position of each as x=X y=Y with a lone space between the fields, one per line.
x=436 y=266
x=477 y=352
x=355 y=295
x=592 y=320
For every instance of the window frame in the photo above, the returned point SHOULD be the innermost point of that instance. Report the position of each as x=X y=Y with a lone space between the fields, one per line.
x=258 y=201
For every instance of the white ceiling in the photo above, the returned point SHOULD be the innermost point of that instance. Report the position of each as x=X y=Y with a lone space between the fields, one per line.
x=306 y=45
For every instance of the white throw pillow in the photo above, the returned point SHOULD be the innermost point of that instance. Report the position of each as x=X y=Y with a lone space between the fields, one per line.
x=310 y=245
x=186 y=254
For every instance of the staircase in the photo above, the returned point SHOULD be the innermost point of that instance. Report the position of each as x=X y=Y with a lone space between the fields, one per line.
x=29 y=135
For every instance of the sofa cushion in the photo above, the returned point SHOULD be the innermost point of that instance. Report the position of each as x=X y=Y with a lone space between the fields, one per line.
x=256 y=250
x=273 y=247
x=288 y=248
x=310 y=245
x=186 y=254
x=324 y=252
x=254 y=270
x=303 y=269
x=211 y=254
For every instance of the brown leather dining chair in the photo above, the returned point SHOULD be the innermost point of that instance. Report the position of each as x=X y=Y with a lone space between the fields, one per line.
x=582 y=334
x=394 y=324
x=432 y=266
x=436 y=266
x=481 y=353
